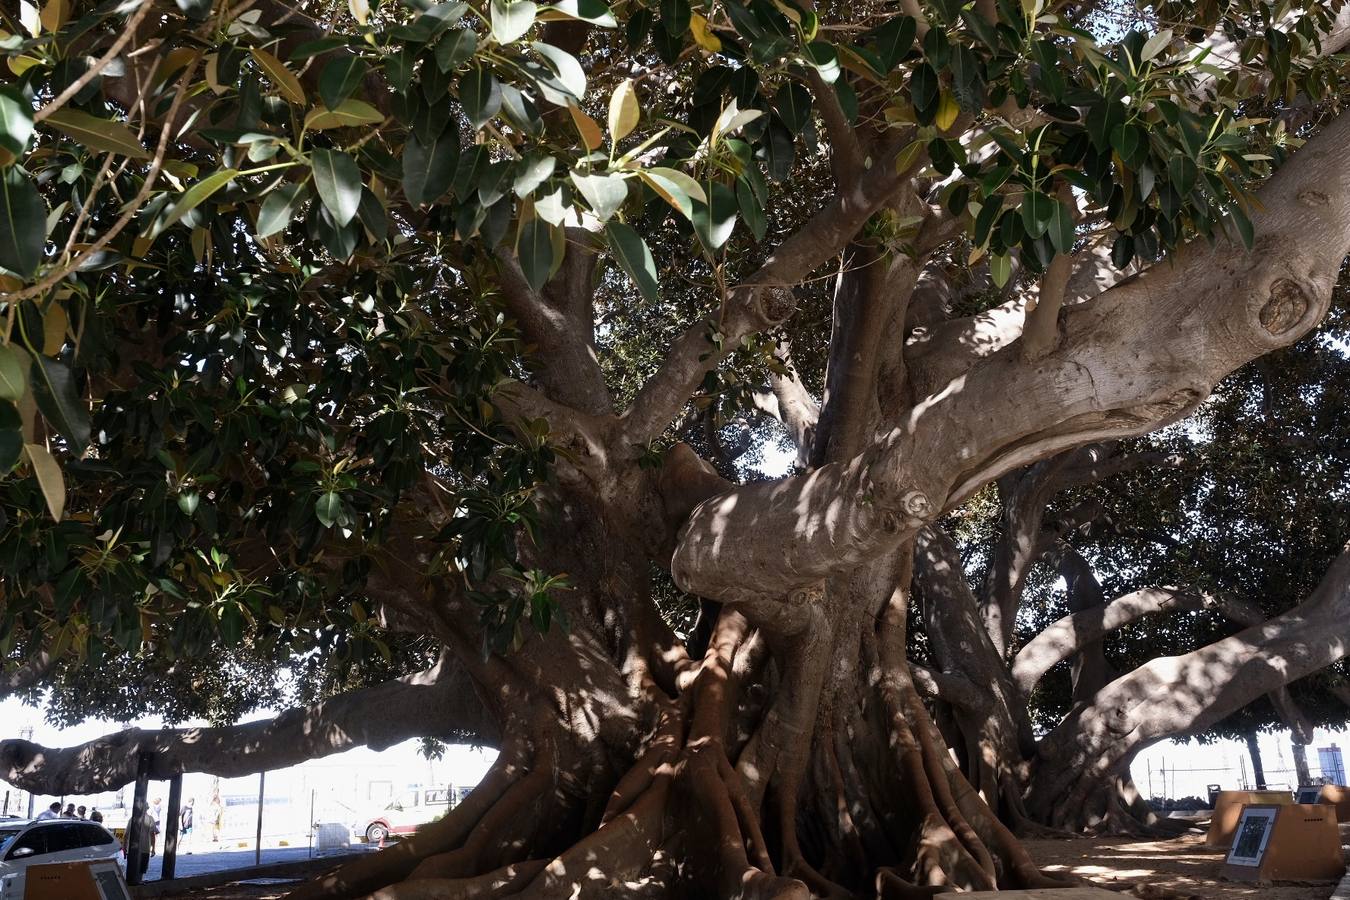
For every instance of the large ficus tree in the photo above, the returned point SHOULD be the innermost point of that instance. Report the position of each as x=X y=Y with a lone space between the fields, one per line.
x=375 y=334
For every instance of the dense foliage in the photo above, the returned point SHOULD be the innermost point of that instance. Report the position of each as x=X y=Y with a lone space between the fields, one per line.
x=253 y=312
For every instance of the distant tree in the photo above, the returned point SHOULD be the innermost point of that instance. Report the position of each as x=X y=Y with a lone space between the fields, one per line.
x=437 y=341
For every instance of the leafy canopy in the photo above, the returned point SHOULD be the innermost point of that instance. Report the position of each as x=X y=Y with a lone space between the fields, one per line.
x=252 y=255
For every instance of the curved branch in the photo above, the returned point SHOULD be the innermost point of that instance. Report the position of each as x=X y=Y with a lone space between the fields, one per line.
x=437 y=702
x=1068 y=635
x=765 y=299
x=26 y=675
x=1140 y=356
x=1178 y=695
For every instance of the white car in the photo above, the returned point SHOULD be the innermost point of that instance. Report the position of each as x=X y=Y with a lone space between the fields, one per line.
x=414 y=807
x=25 y=843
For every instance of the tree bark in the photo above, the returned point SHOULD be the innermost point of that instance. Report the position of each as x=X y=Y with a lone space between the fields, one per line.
x=1170 y=696
x=1258 y=768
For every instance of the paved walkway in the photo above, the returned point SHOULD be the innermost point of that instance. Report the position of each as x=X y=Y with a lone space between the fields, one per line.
x=200 y=863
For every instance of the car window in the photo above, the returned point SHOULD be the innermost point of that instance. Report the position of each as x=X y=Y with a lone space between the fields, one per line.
x=94 y=836
x=63 y=837
x=34 y=839
x=7 y=835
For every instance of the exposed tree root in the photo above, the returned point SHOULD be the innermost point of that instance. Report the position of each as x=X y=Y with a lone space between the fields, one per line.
x=504 y=882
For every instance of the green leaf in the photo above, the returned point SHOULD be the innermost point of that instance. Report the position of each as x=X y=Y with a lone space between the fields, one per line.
x=231 y=624
x=793 y=105
x=634 y=257
x=54 y=391
x=16 y=122
x=1122 y=251
x=103 y=135
x=328 y=508
x=480 y=94
x=923 y=89
x=23 y=223
x=675 y=187
x=339 y=183
x=751 y=209
x=715 y=220
x=193 y=197
x=340 y=78
x=455 y=47
x=533 y=170
x=1037 y=211
x=279 y=75
x=604 y=193
x=779 y=150
x=1131 y=142
x=49 y=478
x=1244 y=225
x=1062 y=228
x=13 y=383
x=570 y=74
x=511 y=19
x=1000 y=268
x=1156 y=44
x=593 y=11
x=280 y=207
x=675 y=16
x=427 y=171
x=535 y=251
x=893 y=40
x=347 y=114
x=188 y=502
x=11 y=449
x=469 y=170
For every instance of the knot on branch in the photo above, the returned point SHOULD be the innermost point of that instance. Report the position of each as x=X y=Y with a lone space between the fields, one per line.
x=917 y=505
x=774 y=303
x=1312 y=197
x=1286 y=307
x=807 y=594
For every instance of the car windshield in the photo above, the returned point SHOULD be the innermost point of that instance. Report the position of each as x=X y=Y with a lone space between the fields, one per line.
x=7 y=835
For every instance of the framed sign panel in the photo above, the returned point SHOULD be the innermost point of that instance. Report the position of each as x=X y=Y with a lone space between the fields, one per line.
x=1228 y=807
x=1285 y=842
x=1254 y=829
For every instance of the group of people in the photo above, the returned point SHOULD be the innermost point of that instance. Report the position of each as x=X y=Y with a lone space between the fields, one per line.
x=72 y=812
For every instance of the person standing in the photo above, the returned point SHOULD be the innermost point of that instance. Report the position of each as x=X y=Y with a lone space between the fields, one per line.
x=157 y=814
x=51 y=812
x=70 y=812
x=80 y=813
x=147 y=828
x=95 y=816
x=185 y=826
x=217 y=817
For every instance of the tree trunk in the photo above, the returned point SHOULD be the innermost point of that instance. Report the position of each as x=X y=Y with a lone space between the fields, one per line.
x=1254 y=751
x=1300 y=754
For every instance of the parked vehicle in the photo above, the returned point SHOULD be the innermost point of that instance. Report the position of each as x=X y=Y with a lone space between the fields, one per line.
x=415 y=806
x=25 y=843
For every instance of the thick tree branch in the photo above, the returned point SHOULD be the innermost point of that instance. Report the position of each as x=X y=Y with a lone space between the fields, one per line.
x=437 y=702
x=846 y=154
x=1067 y=636
x=1041 y=334
x=762 y=301
x=27 y=675
x=563 y=331
x=1178 y=695
x=1139 y=356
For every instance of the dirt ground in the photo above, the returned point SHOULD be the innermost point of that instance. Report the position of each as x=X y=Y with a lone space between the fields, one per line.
x=1184 y=866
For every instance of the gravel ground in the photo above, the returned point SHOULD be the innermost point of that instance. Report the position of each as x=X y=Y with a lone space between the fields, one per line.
x=1183 y=867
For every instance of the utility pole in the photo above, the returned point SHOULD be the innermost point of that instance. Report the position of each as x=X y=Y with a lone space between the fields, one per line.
x=27 y=734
